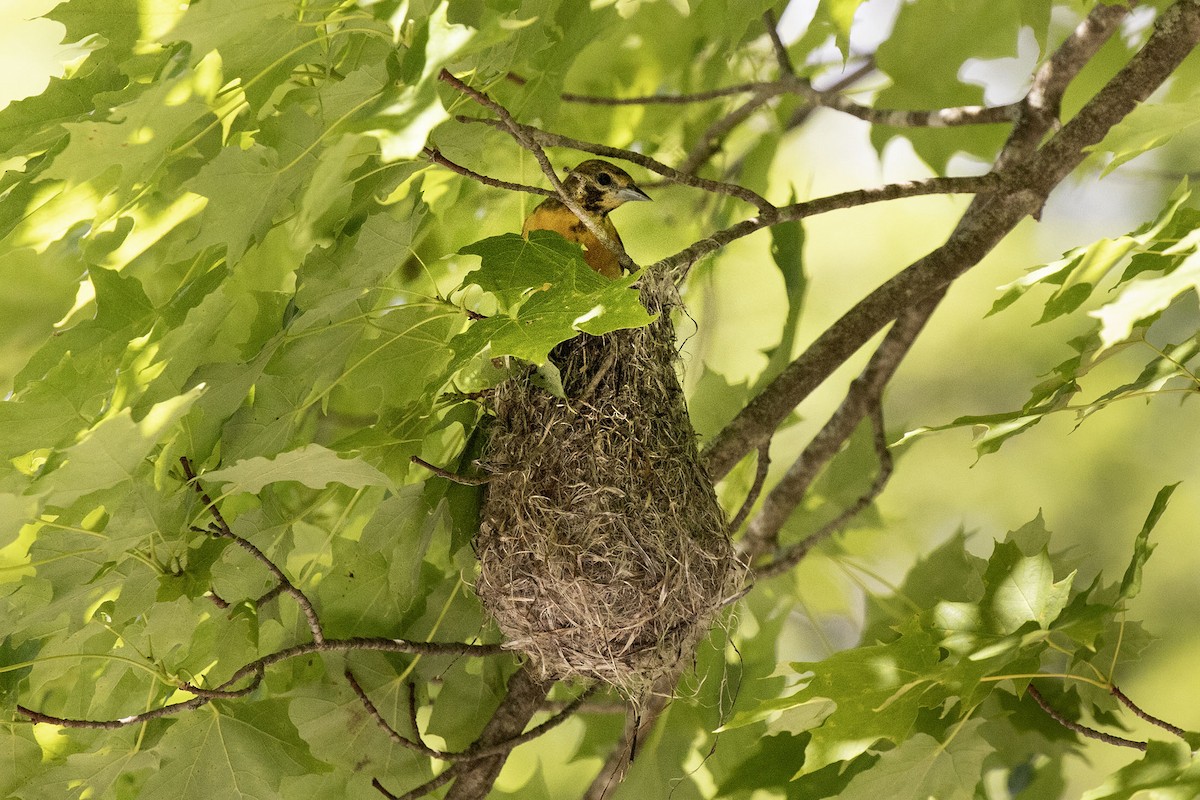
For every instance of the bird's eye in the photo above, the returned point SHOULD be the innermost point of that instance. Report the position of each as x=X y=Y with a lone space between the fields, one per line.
x=604 y=179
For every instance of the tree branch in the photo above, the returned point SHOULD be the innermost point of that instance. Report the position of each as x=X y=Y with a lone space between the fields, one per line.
x=255 y=668
x=220 y=528
x=781 y=54
x=436 y=156
x=863 y=398
x=453 y=477
x=796 y=553
x=678 y=265
x=662 y=99
x=830 y=98
x=1082 y=730
x=990 y=217
x=1145 y=716
x=710 y=141
x=477 y=749
x=760 y=477
x=526 y=693
x=547 y=139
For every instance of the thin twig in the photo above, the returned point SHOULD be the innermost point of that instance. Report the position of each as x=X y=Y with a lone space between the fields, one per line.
x=1082 y=730
x=547 y=139
x=781 y=54
x=254 y=668
x=637 y=728
x=112 y=724
x=478 y=749
x=437 y=157
x=845 y=81
x=609 y=361
x=678 y=265
x=221 y=529
x=463 y=480
x=425 y=788
x=710 y=141
x=1153 y=720
x=862 y=399
x=796 y=553
x=417 y=745
x=224 y=694
x=760 y=476
x=933 y=118
x=662 y=99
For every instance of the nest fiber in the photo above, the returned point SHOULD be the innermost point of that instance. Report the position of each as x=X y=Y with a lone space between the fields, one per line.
x=603 y=552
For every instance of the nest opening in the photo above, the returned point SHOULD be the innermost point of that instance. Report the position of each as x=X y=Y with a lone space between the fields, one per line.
x=603 y=551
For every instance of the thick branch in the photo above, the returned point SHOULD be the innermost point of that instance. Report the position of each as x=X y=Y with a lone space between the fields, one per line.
x=987 y=222
x=864 y=395
x=526 y=693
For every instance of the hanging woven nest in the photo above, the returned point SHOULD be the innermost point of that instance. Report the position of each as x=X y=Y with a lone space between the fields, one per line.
x=603 y=552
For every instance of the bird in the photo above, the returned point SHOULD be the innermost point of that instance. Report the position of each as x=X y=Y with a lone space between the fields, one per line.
x=597 y=187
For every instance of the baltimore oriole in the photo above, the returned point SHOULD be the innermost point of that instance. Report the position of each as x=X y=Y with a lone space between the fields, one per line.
x=598 y=187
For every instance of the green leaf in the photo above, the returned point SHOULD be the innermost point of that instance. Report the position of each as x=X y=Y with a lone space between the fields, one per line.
x=112 y=450
x=234 y=751
x=137 y=136
x=772 y=764
x=246 y=190
x=20 y=756
x=1167 y=771
x=838 y=14
x=1142 y=298
x=15 y=513
x=923 y=768
x=1131 y=584
x=555 y=295
x=924 y=56
x=311 y=465
x=1161 y=244
x=1146 y=127
x=1021 y=589
x=864 y=683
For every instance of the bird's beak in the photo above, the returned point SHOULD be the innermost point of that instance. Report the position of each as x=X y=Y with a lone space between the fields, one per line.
x=631 y=192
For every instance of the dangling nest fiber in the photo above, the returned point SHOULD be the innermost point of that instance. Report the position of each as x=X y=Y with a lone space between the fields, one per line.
x=602 y=548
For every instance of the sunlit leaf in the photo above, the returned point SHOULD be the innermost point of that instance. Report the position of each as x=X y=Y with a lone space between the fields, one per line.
x=312 y=465
x=1131 y=584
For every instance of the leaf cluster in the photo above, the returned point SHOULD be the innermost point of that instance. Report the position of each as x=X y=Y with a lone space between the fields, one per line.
x=224 y=242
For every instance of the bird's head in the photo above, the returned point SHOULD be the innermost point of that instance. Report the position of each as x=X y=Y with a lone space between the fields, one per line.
x=600 y=187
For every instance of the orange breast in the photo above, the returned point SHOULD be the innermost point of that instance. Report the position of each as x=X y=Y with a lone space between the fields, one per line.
x=554 y=216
